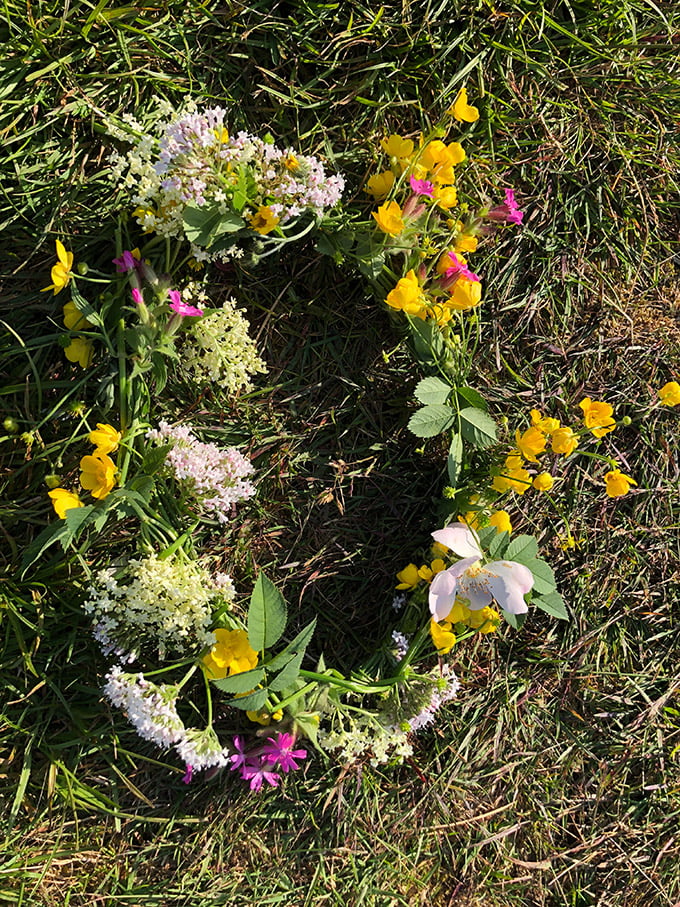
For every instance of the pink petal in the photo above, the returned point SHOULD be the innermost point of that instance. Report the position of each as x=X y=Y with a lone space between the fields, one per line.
x=444 y=586
x=509 y=582
x=460 y=539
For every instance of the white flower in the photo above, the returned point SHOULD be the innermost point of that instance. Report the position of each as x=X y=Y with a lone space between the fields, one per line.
x=505 y=582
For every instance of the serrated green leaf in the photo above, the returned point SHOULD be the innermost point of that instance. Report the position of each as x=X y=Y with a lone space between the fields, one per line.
x=522 y=548
x=432 y=390
x=516 y=621
x=454 y=460
x=544 y=578
x=154 y=458
x=240 y=683
x=428 y=344
x=205 y=223
x=266 y=615
x=498 y=546
x=288 y=675
x=486 y=536
x=477 y=427
x=431 y=420
x=470 y=397
x=552 y=604
x=299 y=644
x=255 y=701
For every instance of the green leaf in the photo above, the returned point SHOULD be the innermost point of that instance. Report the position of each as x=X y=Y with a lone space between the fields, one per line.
x=477 y=427
x=432 y=390
x=255 y=701
x=454 y=461
x=240 y=683
x=299 y=644
x=428 y=343
x=205 y=223
x=471 y=397
x=85 y=307
x=431 y=420
x=552 y=604
x=544 y=578
x=288 y=675
x=515 y=620
x=371 y=259
x=486 y=536
x=154 y=458
x=523 y=548
x=266 y=615
x=498 y=546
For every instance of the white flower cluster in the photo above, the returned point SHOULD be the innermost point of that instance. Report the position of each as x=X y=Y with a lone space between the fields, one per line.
x=367 y=736
x=215 y=477
x=168 y=601
x=201 y=749
x=194 y=160
x=219 y=350
x=414 y=704
x=150 y=708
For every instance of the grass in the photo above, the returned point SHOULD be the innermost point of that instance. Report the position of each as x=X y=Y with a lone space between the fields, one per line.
x=552 y=780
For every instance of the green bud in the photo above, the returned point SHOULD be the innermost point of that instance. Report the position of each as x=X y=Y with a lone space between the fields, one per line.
x=10 y=425
x=82 y=268
x=626 y=421
x=53 y=480
x=449 y=493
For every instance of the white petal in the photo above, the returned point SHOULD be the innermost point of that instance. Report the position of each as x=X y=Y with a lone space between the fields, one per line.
x=460 y=539
x=443 y=594
x=476 y=590
x=509 y=582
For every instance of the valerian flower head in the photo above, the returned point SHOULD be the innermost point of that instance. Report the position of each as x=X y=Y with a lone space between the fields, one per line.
x=478 y=585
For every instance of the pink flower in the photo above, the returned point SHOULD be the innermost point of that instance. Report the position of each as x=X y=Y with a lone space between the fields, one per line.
x=181 y=308
x=239 y=758
x=421 y=187
x=256 y=775
x=508 y=212
x=188 y=775
x=458 y=269
x=126 y=262
x=281 y=750
x=137 y=296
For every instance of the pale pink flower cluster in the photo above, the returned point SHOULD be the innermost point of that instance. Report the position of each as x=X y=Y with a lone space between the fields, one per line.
x=216 y=477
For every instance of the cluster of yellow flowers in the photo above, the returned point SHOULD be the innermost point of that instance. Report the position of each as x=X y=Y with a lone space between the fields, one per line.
x=80 y=348
x=97 y=471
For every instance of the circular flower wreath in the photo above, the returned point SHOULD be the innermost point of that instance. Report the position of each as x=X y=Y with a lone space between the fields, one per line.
x=162 y=614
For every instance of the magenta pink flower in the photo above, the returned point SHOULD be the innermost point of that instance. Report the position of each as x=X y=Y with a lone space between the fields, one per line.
x=508 y=212
x=281 y=750
x=137 y=296
x=421 y=187
x=256 y=775
x=182 y=308
x=126 y=262
x=189 y=774
x=459 y=269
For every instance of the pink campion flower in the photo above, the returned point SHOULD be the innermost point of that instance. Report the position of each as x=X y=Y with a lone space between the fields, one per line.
x=421 y=187
x=137 y=296
x=189 y=774
x=281 y=750
x=508 y=212
x=126 y=262
x=239 y=758
x=505 y=582
x=257 y=774
x=182 y=308
x=459 y=269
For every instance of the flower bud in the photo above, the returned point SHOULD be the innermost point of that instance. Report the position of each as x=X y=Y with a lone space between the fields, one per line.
x=10 y=425
x=82 y=268
x=53 y=480
x=626 y=421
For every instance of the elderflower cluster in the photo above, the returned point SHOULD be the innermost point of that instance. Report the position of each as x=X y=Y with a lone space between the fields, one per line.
x=194 y=160
x=201 y=749
x=168 y=601
x=219 y=350
x=150 y=708
x=367 y=736
x=215 y=477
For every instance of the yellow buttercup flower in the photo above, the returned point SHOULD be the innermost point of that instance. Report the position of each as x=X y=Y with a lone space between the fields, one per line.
x=564 y=441
x=670 y=394
x=486 y=620
x=544 y=423
x=597 y=416
x=397 y=147
x=543 y=482
x=514 y=478
x=80 y=350
x=74 y=319
x=98 y=475
x=501 y=520
x=530 y=443
x=618 y=484
x=408 y=577
x=389 y=218
x=231 y=654
x=264 y=221
x=465 y=242
x=63 y=500
x=380 y=184
x=407 y=295
x=61 y=271
x=105 y=438
x=264 y=717
x=465 y=294
x=436 y=566
x=461 y=110
x=446 y=197
x=443 y=637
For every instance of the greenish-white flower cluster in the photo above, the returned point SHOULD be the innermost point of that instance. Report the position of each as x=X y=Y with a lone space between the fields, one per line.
x=168 y=601
x=218 y=348
x=367 y=736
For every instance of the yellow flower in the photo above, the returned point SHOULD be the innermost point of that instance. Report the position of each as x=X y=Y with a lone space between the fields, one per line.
x=74 y=319
x=530 y=443
x=465 y=294
x=221 y=134
x=436 y=566
x=447 y=196
x=98 y=475
x=231 y=654
x=544 y=423
x=618 y=484
x=389 y=219
x=61 y=272
x=461 y=110
x=670 y=394
x=407 y=295
x=543 y=482
x=80 y=350
x=380 y=184
x=291 y=163
x=397 y=147
x=264 y=717
x=564 y=441
x=408 y=577
x=105 y=438
x=443 y=637
x=142 y=213
x=597 y=416
x=501 y=520
x=514 y=478
x=486 y=620
x=264 y=221
x=471 y=518
x=63 y=500
x=465 y=242
x=438 y=550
